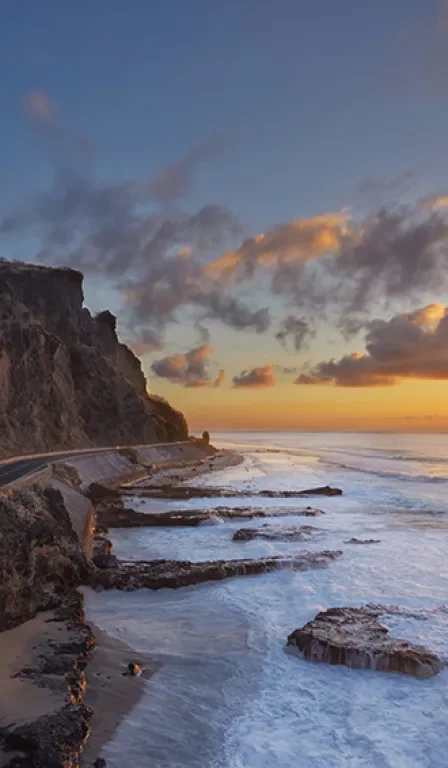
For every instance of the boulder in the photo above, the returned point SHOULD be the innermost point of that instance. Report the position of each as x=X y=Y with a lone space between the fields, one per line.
x=356 y=638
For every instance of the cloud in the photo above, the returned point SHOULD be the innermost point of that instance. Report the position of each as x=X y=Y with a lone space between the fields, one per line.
x=256 y=378
x=299 y=240
x=173 y=181
x=437 y=201
x=39 y=106
x=295 y=328
x=392 y=254
x=219 y=379
x=188 y=369
x=411 y=345
x=144 y=341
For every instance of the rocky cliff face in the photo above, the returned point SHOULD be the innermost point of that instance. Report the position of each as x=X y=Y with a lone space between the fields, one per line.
x=41 y=558
x=65 y=379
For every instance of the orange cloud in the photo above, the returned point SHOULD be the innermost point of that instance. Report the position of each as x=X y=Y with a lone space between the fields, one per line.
x=299 y=240
x=440 y=201
x=256 y=378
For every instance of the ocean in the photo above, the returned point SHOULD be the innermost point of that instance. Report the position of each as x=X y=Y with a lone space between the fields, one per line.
x=226 y=694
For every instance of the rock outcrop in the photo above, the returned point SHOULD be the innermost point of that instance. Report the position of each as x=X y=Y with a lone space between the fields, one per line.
x=276 y=533
x=356 y=638
x=158 y=574
x=41 y=558
x=176 y=492
x=123 y=517
x=65 y=379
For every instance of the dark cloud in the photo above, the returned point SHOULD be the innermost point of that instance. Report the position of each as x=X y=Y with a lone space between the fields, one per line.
x=393 y=254
x=188 y=369
x=295 y=329
x=256 y=378
x=411 y=345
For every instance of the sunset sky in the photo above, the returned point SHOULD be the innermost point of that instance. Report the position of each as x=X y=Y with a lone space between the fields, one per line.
x=258 y=190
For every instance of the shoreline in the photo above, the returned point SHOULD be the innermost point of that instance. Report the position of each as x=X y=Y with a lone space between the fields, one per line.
x=65 y=679
x=110 y=692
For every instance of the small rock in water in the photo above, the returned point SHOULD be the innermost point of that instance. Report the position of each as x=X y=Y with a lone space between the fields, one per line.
x=354 y=540
x=133 y=669
x=100 y=762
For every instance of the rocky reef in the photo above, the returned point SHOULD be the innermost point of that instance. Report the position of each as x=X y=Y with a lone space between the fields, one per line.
x=65 y=379
x=182 y=492
x=158 y=574
x=116 y=516
x=356 y=638
x=276 y=533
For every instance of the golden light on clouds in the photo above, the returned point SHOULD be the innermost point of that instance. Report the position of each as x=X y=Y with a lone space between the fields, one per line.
x=298 y=240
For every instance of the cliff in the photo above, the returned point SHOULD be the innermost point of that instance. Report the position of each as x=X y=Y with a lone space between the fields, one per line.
x=65 y=379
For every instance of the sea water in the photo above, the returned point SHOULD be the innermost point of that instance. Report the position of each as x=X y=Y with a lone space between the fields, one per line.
x=226 y=693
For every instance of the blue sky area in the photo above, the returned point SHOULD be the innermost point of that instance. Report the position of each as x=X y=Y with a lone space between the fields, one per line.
x=309 y=98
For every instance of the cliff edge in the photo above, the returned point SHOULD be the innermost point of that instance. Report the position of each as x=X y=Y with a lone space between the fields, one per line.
x=65 y=379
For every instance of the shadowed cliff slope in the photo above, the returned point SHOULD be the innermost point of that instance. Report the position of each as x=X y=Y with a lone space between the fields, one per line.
x=65 y=379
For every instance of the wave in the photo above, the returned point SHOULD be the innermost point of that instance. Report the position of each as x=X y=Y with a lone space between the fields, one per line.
x=387 y=474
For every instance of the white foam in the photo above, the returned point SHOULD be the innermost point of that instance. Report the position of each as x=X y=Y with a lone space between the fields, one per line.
x=227 y=695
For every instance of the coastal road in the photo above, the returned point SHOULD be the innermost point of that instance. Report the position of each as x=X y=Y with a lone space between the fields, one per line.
x=13 y=469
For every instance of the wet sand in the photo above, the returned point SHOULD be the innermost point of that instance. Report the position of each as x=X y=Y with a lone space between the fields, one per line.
x=110 y=693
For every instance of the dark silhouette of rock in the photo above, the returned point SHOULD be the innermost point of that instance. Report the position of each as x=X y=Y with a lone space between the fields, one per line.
x=51 y=741
x=157 y=574
x=123 y=517
x=355 y=637
x=354 y=540
x=133 y=669
x=100 y=762
x=99 y=493
x=66 y=381
x=102 y=560
x=276 y=533
x=190 y=492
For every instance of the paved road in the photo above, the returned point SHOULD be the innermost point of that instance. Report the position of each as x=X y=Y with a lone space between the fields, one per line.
x=13 y=469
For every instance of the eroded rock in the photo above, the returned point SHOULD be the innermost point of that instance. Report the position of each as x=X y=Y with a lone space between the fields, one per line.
x=191 y=492
x=276 y=533
x=157 y=574
x=356 y=638
x=41 y=558
x=122 y=517
x=51 y=741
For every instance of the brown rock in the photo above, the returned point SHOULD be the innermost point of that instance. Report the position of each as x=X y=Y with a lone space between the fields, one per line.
x=190 y=492
x=41 y=558
x=157 y=574
x=51 y=741
x=86 y=388
x=356 y=638
x=123 y=517
x=275 y=533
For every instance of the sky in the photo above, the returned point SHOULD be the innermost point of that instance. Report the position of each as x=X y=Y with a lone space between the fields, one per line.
x=258 y=191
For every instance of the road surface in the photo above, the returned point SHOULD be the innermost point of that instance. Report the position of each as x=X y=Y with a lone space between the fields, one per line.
x=12 y=469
